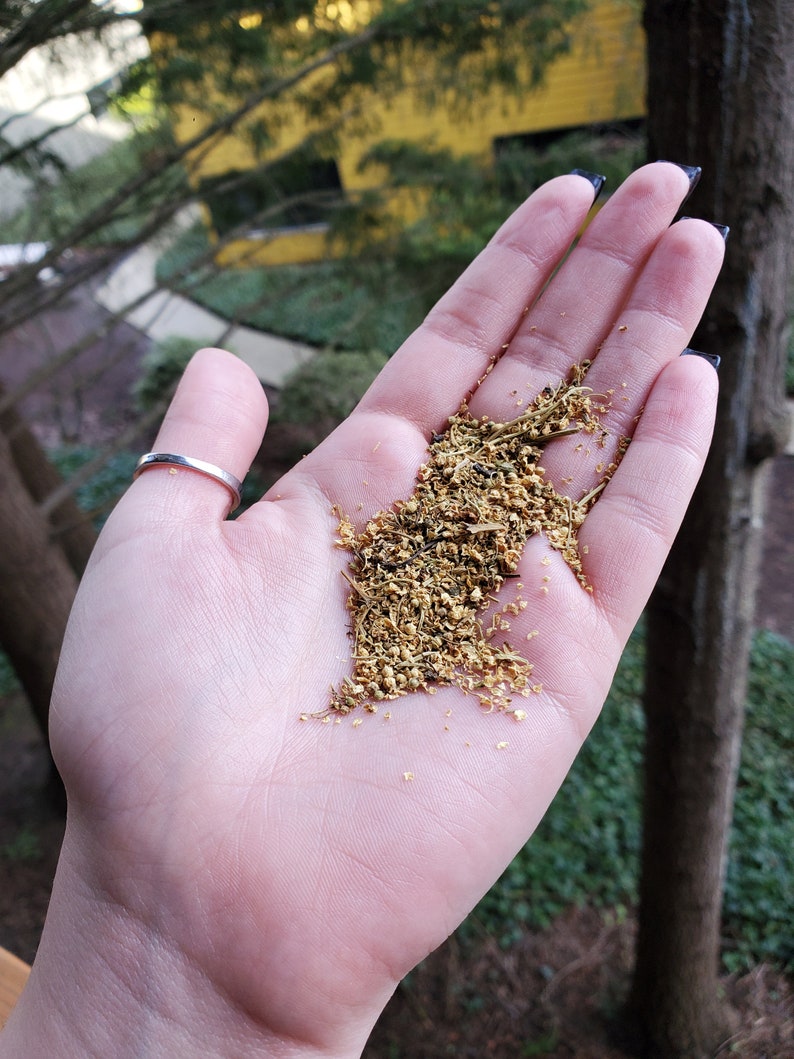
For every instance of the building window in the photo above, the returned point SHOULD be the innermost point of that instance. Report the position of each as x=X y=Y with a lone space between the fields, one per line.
x=613 y=134
x=296 y=192
x=526 y=160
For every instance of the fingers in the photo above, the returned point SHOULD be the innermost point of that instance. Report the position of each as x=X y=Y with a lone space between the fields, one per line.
x=374 y=455
x=651 y=328
x=629 y=295
x=218 y=415
x=577 y=312
x=427 y=378
x=628 y=533
x=498 y=301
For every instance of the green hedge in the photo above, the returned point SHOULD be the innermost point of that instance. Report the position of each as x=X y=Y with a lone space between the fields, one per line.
x=587 y=847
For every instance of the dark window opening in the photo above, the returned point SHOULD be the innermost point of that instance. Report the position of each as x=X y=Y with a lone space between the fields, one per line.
x=295 y=192
x=613 y=133
x=526 y=160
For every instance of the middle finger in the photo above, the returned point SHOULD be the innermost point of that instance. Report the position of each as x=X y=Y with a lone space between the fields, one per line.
x=570 y=320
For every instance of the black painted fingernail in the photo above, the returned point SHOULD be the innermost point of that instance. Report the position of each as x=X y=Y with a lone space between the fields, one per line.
x=723 y=229
x=595 y=179
x=693 y=173
x=712 y=358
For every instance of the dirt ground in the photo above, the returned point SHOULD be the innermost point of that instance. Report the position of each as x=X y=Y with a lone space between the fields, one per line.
x=553 y=994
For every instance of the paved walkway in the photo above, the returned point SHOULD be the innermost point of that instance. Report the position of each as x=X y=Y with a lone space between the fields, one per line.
x=162 y=314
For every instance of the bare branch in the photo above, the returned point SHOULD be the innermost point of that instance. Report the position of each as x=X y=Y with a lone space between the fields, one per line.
x=16 y=285
x=44 y=23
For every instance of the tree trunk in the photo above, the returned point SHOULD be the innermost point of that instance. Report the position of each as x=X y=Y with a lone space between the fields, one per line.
x=720 y=84
x=71 y=529
x=37 y=588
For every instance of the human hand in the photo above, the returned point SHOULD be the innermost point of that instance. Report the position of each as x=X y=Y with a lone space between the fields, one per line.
x=235 y=881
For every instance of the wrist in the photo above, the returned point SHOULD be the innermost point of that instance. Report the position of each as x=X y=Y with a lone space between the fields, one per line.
x=105 y=983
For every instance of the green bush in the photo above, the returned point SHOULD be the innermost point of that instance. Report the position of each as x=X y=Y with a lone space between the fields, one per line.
x=587 y=847
x=24 y=847
x=328 y=387
x=8 y=678
x=759 y=889
x=104 y=487
x=318 y=395
x=328 y=304
x=162 y=367
x=182 y=254
x=461 y=202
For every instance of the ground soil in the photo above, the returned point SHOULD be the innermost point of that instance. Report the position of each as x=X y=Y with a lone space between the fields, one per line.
x=556 y=992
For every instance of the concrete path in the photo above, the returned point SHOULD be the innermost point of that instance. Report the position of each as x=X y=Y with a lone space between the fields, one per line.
x=162 y=314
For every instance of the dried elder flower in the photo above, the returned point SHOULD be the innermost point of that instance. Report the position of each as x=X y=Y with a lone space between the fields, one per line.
x=423 y=572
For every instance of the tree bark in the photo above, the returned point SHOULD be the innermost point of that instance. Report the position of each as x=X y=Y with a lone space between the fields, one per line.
x=69 y=526
x=720 y=95
x=37 y=589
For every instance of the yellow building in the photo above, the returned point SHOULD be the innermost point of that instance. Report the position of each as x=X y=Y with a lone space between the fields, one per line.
x=599 y=82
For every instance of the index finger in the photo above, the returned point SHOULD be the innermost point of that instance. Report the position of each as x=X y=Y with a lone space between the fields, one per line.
x=439 y=363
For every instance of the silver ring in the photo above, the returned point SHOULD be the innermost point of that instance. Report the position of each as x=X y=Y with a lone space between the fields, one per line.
x=209 y=470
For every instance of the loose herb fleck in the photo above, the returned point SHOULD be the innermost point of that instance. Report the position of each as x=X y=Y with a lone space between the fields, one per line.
x=423 y=572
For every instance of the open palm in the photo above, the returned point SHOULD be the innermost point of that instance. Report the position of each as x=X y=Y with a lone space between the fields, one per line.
x=274 y=878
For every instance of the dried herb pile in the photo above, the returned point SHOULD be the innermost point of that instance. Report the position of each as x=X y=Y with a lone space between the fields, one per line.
x=424 y=574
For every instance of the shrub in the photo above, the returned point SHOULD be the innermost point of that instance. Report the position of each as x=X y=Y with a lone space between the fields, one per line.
x=328 y=304
x=587 y=846
x=319 y=394
x=104 y=487
x=340 y=303
x=162 y=368
x=759 y=889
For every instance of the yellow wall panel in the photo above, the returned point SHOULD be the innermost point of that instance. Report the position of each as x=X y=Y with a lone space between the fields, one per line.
x=601 y=80
x=283 y=247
